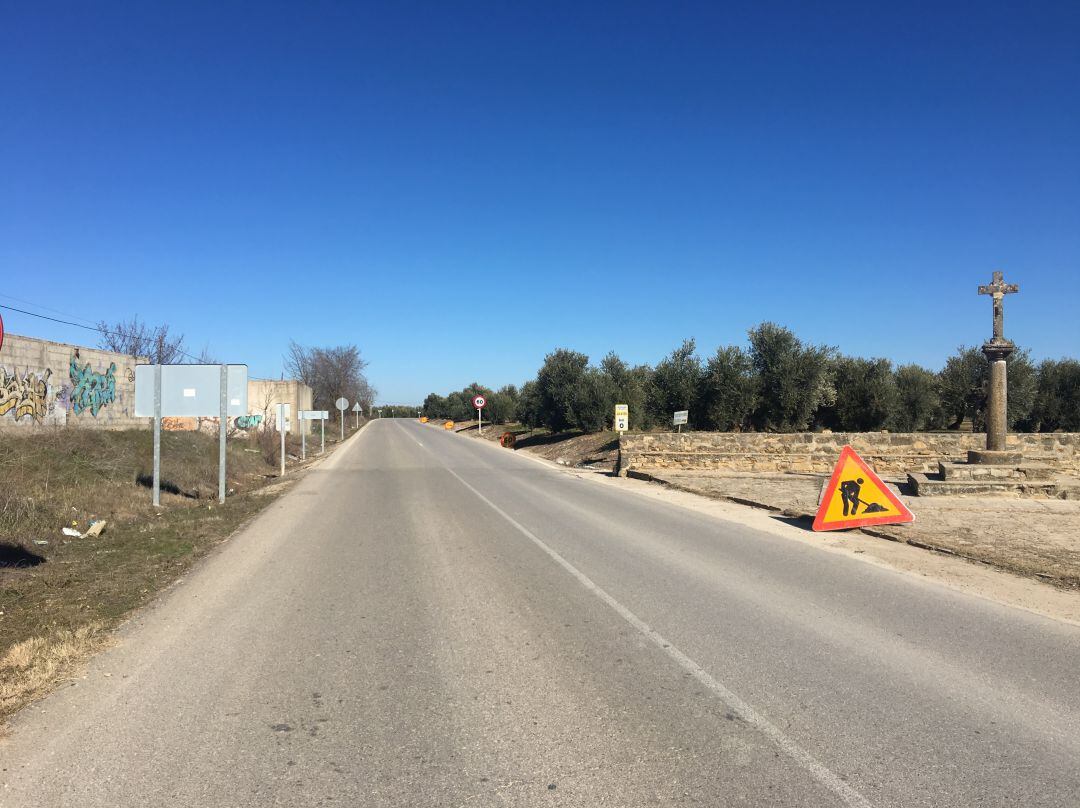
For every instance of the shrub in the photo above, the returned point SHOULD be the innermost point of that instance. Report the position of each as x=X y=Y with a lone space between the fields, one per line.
x=918 y=400
x=793 y=378
x=729 y=391
x=675 y=383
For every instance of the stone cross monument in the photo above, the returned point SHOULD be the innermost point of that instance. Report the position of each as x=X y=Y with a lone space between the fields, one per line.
x=997 y=350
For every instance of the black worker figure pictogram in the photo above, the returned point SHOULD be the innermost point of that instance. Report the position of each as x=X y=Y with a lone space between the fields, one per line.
x=849 y=492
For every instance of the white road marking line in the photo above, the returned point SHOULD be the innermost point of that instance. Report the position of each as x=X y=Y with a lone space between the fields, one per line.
x=825 y=776
x=403 y=429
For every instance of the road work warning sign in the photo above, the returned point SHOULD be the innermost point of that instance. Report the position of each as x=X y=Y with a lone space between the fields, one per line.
x=857 y=497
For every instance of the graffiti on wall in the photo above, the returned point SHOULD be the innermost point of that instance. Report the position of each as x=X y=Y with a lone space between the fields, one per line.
x=90 y=391
x=24 y=395
x=248 y=421
x=179 y=424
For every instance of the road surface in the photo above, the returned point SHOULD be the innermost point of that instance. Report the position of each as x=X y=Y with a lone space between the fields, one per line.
x=426 y=620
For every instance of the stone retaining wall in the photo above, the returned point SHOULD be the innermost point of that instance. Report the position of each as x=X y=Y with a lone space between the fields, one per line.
x=889 y=453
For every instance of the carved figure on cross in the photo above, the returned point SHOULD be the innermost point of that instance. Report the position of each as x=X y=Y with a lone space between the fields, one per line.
x=997 y=289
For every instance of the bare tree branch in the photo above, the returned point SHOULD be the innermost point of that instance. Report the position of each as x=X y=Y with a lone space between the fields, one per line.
x=136 y=338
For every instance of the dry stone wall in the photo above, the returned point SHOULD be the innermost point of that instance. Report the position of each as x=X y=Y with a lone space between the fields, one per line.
x=45 y=384
x=817 y=451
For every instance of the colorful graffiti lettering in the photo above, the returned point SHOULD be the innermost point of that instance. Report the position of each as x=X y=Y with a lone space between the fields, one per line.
x=172 y=424
x=90 y=390
x=24 y=394
x=248 y=421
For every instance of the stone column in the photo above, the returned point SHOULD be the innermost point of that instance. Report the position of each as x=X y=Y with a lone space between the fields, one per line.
x=996 y=352
x=997 y=409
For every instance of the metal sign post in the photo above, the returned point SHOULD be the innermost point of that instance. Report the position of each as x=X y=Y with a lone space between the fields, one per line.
x=479 y=402
x=342 y=404
x=357 y=409
x=223 y=425
x=190 y=391
x=311 y=415
x=680 y=418
x=157 y=436
x=281 y=427
x=322 y=431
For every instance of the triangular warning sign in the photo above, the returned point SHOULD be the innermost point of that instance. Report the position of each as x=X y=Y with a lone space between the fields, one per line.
x=857 y=497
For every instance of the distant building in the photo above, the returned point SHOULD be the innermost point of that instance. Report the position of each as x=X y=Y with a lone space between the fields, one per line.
x=265 y=394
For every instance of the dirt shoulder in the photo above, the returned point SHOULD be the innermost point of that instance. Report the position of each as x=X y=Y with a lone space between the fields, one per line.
x=61 y=595
x=598 y=451
x=1034 y=537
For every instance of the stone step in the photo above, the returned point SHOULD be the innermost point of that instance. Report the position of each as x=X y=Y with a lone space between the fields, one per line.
x=924 y=485
x=982 y=472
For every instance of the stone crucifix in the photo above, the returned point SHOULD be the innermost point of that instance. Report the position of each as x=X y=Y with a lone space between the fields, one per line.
x=997 y=350
x=998 y=289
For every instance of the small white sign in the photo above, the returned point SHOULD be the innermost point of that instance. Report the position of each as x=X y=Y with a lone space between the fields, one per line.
x=622 y=417
x=189 y=392
x=283 y=413
x=681 y=417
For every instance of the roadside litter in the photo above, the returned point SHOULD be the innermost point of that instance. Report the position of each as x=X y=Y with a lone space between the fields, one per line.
x=91 y=532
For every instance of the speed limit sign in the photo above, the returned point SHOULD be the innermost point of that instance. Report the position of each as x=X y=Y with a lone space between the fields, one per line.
x=479 y=402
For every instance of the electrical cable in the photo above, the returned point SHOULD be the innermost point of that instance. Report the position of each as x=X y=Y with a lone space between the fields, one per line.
x=78 y=325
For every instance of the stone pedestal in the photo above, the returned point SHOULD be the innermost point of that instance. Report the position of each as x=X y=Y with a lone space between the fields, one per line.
x=996 y=351
x=994 y=458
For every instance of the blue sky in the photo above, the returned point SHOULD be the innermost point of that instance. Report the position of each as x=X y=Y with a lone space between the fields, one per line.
x=459 y=188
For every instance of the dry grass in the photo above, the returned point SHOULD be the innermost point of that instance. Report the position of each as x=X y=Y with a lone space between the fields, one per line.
x=55 y=613
x=31 y=668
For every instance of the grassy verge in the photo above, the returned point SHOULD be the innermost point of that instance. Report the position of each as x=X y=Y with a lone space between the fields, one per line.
x=60 y=595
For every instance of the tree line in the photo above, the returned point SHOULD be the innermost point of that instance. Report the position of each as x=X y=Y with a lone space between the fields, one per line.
x=776 y=383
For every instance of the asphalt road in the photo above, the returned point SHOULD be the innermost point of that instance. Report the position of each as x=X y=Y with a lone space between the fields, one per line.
x=429 y=621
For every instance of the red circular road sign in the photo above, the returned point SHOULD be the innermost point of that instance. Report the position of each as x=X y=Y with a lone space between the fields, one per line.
x=1 y=331
x=479 y=402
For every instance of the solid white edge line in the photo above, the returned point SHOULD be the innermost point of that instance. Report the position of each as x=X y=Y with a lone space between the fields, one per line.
x=742 y=709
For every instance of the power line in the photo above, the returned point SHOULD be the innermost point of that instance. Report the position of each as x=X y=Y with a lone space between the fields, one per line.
x=53 y=319
x=78 y=325
x=44 y=308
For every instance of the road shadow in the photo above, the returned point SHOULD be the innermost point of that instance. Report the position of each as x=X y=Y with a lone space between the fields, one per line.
x=804 y=522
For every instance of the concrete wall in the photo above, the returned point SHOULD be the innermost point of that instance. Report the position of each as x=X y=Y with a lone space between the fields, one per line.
x=817 y=452
x=263 y=397
x=265 y=394
x=46 y=383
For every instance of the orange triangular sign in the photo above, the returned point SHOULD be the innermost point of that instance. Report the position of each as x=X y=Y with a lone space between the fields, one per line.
x=857 y=497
